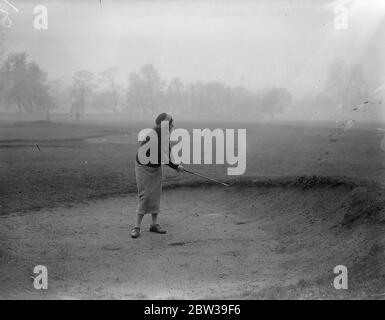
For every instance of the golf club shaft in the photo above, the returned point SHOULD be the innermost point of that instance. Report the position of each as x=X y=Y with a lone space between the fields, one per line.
x=202 y=176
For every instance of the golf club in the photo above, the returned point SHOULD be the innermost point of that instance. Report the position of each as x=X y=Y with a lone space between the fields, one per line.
x=202 y=176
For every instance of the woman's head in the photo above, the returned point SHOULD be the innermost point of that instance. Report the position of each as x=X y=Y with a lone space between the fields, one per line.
x=164 y=117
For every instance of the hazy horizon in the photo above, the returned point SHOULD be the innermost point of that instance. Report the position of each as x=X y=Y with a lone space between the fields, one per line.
x=252 y=44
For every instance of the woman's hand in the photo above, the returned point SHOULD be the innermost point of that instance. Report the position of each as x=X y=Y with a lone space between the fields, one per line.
x=180 y=168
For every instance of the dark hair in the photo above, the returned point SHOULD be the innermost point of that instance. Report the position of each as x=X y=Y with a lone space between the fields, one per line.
x=162 y=117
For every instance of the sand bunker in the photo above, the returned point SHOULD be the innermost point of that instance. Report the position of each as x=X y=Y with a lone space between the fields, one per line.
x=257 y=239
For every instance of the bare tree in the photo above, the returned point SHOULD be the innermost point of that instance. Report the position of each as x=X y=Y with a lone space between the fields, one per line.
x=83 y=85
x=59 y=94
x=146 y=93
x=145 y=90
x=24 y=85
x=108 y=77
x=175 y=95
x=274 y=101
x=152 y=87
x=135 y=93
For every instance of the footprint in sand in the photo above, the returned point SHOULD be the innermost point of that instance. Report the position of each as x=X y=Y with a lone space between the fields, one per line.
x=175 y=244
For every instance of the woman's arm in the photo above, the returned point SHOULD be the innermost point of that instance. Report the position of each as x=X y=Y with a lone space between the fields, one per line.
x=172 y=164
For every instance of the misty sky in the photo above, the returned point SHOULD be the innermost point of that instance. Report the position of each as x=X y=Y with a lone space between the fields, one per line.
x=255 y=44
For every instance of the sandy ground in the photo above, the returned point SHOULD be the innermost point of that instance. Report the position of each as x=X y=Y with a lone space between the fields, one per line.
x=237 y=242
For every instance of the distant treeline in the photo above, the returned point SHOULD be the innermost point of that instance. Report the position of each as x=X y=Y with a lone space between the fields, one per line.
x=25 y=88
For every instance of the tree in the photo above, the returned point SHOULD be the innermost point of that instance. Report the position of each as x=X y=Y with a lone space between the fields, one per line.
x=39 y=90
x=83 y=86
x=135 y=93
x=145 y=90
x=101 y=101
x=145 y=94
x=24 y=85
x=152 y=87
x=59 y=94
x=275 y=100
x=247 y=104
x=212 y=98
x=13 y=79
x=175 y=95
x=346 y=84
x=108 y=77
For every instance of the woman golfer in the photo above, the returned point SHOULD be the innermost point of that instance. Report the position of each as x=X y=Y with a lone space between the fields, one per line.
x=149 y=181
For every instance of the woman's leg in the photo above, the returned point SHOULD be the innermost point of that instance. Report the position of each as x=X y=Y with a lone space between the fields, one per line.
x=154 y=217
x=139 y=219
x=155 y=227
